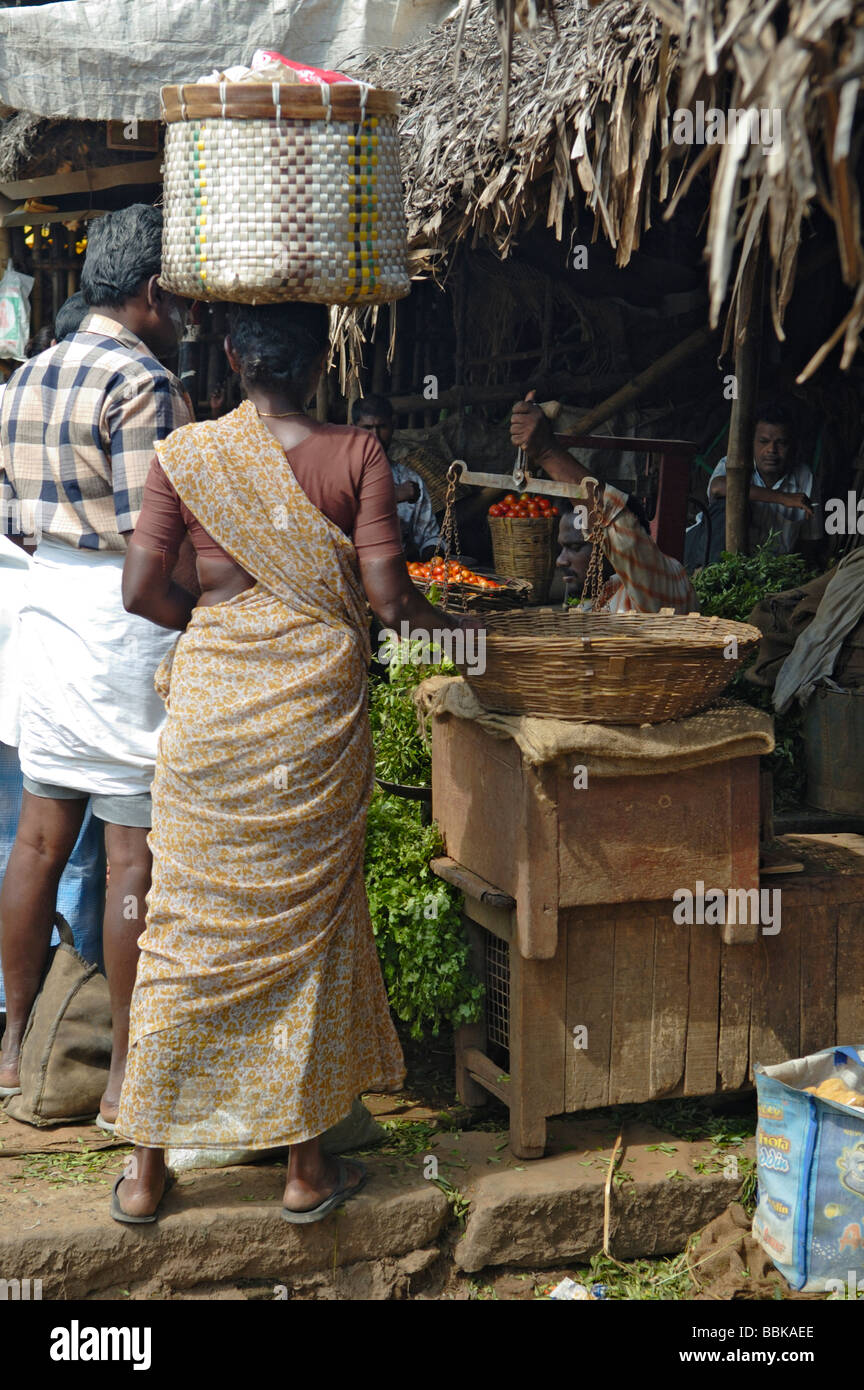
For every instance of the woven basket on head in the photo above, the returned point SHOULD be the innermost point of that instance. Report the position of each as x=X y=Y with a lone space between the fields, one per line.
x=623 y=668
x=524 y=548
x=283 y=192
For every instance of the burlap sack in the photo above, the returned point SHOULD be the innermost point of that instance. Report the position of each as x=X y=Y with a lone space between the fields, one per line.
x=66 y=1050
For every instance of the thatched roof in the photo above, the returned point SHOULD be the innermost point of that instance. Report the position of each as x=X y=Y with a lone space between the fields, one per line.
x=591 y=122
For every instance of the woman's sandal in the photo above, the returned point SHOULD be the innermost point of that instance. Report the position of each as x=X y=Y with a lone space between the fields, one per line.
x=124 y=1216
x=343 y=1192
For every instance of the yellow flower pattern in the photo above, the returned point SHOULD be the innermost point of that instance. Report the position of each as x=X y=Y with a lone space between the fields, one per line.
x=259 y=1012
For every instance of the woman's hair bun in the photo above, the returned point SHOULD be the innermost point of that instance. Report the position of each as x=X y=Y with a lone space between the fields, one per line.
x=278 y=344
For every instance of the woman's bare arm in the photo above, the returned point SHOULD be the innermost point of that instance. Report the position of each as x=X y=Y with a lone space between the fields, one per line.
x=394 y=599
x=149 y=589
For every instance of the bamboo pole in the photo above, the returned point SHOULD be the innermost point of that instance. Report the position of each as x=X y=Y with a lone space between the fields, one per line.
x=506 y=392
x=322 y=399
x=643 y=382
x=742 y=422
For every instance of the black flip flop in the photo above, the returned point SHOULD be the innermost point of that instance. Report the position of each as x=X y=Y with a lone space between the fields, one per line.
x=342 y=1193
x=124 y=1217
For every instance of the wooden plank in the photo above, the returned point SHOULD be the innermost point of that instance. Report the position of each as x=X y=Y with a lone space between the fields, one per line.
x=495 y=919
x=783 y=954
x=669 y=1006
x=538 y=1042
x=700 y=1067
x=850 y=974
x=470 y=883
x=652 y=835
x=737 y=966
x=590 y=964
x=488 y=1075
x=474 y=776
x=775 y=1028
x=818 y=928
x=744 y=814
x=630 y=1053
x=85 y=180
x=471 y=1036
x=537 y=866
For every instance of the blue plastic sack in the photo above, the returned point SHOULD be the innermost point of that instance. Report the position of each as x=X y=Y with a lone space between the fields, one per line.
x=810 y=1164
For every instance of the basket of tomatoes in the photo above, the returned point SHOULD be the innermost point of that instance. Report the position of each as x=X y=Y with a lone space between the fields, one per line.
x=468 y=590
x=524 y=532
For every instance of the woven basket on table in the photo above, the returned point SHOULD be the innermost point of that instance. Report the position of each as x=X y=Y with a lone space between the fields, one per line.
x=277 y=192
x=524 y=548
x=626 y=668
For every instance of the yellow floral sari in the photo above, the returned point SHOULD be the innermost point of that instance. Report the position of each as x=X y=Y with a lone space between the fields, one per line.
x=259 y=1012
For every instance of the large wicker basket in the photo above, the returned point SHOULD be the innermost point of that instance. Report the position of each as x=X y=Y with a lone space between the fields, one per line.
x=524 y=548
x=283 y=192
x=627 y=668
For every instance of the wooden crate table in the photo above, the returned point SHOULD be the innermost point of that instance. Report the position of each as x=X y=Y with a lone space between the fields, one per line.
x=595 y=995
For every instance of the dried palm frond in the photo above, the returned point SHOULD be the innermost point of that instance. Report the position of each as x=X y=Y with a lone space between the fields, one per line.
x=509 y=15
x=592 y=121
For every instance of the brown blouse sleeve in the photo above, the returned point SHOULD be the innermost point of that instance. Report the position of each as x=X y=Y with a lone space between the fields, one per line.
x=376 y=532
x=160 y=525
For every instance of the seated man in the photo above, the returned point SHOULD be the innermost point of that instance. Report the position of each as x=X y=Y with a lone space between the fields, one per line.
x=420 y=533
x=780 y=496
x=637 y=576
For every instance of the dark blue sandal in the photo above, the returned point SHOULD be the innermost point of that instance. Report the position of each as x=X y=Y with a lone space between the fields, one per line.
x=343 y=1192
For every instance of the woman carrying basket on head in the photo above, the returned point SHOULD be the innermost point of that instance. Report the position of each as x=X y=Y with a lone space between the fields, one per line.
x=259 y=1012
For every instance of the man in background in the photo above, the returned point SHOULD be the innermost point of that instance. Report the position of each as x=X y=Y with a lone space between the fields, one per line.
x=637 y=577
x=780 y=497
x=77 y=429
x=81 y=894
x=421 y=535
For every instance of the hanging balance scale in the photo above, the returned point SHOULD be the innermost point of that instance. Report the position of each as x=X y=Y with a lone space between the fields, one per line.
x=524 y=481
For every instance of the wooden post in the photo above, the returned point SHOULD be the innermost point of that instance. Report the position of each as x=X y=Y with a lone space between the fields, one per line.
x=5 y=250
x=742 y=422
x=322 y=399
x=459 y=373
x=36 y=292
x=379 y=361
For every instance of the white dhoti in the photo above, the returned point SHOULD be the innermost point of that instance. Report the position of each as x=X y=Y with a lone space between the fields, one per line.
x=90 y=716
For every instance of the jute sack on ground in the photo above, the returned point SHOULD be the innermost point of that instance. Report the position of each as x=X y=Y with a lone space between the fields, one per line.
x=66 y=1050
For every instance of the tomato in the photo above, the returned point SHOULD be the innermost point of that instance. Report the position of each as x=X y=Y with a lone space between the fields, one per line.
x=510 y=499
x=555 y=512
x=496 y=510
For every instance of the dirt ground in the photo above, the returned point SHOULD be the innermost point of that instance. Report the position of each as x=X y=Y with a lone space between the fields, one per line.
x=41 y=1170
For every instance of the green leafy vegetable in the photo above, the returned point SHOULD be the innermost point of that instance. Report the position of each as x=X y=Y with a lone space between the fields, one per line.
x=402 y=754
x=417 y=922
x=416 y=917
x=734 y=584
x=731 y=588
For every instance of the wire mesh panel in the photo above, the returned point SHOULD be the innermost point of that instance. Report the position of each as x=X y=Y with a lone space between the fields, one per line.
x=497 y=991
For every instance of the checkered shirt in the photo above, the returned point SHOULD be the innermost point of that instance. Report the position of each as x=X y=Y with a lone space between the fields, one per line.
x=77 y=428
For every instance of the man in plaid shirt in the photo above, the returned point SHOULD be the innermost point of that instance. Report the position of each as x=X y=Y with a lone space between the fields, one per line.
x=77 y=428
x=638 y=577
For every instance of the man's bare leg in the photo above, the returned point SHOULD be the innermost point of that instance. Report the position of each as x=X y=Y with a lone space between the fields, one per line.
x=129 y=864
x=313 y=1176
x=45 y=838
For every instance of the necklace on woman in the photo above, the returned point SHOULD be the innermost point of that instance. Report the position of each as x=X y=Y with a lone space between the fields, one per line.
x=278 y=414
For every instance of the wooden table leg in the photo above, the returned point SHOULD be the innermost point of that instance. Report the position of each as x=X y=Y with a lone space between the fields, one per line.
x=468 y=1090
x=538 y=1040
